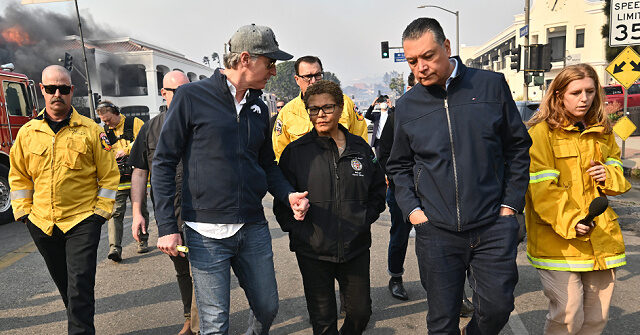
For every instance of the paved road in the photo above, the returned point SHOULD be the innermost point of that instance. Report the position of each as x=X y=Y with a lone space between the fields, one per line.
x=140 y=295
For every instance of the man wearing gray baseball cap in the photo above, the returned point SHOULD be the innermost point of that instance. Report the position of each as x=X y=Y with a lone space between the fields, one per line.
x=219 y=128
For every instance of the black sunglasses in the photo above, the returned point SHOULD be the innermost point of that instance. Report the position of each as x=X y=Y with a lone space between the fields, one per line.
x=51 y=89
x=170 y=89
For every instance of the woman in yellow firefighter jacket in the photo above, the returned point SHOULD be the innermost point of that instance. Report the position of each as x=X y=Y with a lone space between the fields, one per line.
x=574 y=159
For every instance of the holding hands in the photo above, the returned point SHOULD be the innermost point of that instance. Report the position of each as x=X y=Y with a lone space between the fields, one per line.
x=299 y=204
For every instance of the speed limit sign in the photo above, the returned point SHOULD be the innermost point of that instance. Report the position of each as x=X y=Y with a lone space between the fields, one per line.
x=624 y=27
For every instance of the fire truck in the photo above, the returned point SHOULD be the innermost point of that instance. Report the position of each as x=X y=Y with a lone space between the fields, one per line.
x=18 y=105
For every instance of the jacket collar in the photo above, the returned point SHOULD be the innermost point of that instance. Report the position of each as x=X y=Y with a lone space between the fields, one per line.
x=218 y=82
x=74 y=120
x=348 y=149
x=589 y=129
x=438 y=91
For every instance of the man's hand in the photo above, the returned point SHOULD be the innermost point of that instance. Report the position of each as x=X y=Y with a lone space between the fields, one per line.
x=137 y=226
x=299 y=204
x=583 y=229
x=505 y=211
x=168 y=243
x=120 y=153
x=418 y=217
x=597 y=171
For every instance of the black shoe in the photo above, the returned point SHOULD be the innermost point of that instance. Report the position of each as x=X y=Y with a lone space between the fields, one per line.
x=397 y=289
x=466 y=311
x=115 y=256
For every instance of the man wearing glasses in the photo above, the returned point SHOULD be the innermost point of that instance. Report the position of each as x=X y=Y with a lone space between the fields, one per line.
x=63 y=182
x=140 y=158
x=274 y=116
x=293 y=120
x=219 y=128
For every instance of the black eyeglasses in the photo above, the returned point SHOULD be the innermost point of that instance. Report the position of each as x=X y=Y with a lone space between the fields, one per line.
x=308 y=77
x=51 y=89
x=327 y=109
x=170 y=89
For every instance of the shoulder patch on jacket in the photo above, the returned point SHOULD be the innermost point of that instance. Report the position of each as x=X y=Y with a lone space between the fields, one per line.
x=105 y=142
x=278 y=127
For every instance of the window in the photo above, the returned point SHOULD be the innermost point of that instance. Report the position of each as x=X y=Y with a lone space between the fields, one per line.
x=15 y=95
x=141 y=112
x=634 y=89
x=612 y=90
x=192 y=77
x=132 y=80
x=580 y=38
x=161 y=71
x=558 y=46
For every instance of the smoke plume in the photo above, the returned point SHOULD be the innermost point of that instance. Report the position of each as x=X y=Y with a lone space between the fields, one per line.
x=32 y=38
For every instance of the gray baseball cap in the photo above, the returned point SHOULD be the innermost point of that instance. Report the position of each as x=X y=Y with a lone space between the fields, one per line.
x=257 y=40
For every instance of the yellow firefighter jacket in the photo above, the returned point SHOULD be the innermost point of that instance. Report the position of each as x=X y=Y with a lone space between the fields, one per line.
x=125 y=145
x=293 y=122
x=559 y=195
x=61 y=179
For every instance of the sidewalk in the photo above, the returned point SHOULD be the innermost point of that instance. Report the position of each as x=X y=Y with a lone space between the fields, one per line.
x=631 y=161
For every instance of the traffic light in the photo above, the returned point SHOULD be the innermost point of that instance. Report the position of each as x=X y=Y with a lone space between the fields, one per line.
x=546 y=57
x=68 y=61
x=515 y=58
x=384 y=46
x=540 y=57
x=96 y=99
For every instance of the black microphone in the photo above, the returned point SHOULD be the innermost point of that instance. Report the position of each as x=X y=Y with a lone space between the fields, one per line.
x=597 y=207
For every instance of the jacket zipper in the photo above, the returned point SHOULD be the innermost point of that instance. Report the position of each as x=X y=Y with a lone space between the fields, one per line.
x=453 y=160
x=417 y=180
x=240 y=218
x=337 y=203
x=53 y=159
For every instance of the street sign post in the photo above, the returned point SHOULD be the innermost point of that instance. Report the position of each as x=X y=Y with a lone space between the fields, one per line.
x=624 y=24
x=524 y=31
x=625 y=68
x=398 y=57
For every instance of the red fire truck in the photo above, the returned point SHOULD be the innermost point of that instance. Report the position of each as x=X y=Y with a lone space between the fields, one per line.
x=18 y=104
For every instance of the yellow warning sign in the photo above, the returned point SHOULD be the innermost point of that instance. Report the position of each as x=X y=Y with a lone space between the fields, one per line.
x=625 y=68
x=624 y=128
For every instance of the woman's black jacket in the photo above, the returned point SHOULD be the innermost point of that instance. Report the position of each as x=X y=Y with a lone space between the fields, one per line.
x=346 y=193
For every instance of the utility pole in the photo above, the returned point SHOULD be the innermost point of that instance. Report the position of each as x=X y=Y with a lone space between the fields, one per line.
x=525 y=52
x=86 y=66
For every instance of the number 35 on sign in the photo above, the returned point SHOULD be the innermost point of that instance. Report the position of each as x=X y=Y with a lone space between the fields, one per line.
x=624 y=27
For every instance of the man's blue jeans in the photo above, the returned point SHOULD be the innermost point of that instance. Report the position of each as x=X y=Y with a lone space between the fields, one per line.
x=487 y=255
x=249 y=253
x=398 y=236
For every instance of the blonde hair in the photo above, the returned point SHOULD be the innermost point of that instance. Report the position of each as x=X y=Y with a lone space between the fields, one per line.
x=552 y=109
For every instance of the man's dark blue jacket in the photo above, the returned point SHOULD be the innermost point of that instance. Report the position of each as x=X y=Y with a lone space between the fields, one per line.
x=460 y=153
x=228 y=158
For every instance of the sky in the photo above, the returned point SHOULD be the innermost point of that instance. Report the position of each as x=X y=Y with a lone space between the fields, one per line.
x=345 y=34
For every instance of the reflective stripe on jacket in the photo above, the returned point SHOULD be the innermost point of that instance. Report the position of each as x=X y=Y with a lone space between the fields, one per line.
x=61 y=179
x=293 y=122
x=559 y=194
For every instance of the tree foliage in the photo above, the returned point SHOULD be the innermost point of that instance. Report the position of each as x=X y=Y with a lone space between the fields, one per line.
x=283 y=84
x=396 y=84
x=331 y=77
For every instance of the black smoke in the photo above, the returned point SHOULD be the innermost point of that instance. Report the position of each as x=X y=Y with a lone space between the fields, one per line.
x=46 y=44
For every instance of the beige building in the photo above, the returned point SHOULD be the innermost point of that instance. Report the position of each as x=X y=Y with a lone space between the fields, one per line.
x=571 y=27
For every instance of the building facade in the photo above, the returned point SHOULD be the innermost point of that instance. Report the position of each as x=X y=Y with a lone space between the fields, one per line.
x=571 y=27
x=129 y=72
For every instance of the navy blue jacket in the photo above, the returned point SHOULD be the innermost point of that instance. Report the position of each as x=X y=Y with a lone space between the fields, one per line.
x=460 y=153
x=228 y=157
